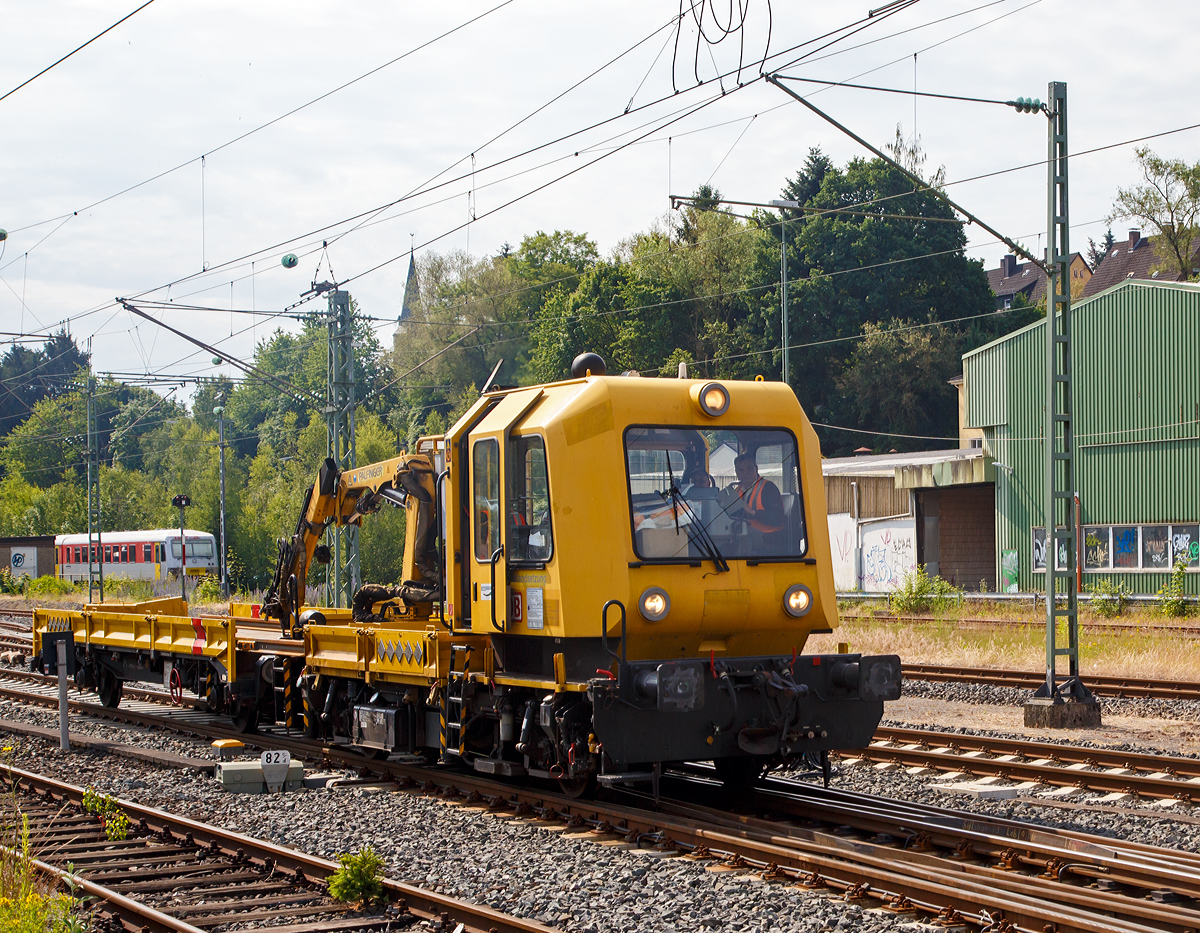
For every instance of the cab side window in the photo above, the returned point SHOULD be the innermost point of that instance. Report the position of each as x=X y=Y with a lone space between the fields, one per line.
x=528 y=501
x=485 y=497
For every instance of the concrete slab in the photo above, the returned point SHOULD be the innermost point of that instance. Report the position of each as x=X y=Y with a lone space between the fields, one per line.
x=975 y=789
x=1062 y=792
x=79 y=741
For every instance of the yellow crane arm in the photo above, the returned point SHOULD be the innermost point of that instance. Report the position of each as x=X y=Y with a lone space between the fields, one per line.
x=344 y=497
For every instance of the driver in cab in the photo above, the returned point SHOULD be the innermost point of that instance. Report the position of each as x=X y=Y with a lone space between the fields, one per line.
x=761 y=503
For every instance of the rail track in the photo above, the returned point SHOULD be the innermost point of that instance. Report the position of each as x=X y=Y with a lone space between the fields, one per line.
x=175 y=875
x=967 y=870
x=1091 y=626
x=1127 y=687
x=1041 y=766
x=1031 y=767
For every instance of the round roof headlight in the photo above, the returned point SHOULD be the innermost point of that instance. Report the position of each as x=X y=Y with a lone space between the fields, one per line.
x=713 y=399
x=654 y=604
x=797 y=600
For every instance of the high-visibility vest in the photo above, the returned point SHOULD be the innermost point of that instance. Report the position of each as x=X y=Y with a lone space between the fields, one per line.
x=754 y=507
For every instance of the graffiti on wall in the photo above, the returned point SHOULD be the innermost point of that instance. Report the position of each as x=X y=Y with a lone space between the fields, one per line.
x=889 y=551
x=842 y=543
x=1010 y=567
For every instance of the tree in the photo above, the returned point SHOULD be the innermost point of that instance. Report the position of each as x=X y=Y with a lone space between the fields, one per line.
x=50 y=446
x=897 y=378
x=808 y=180
x=1169 y=203
x=28 y=376
x=1097 y=254
x=706 y=198
x=211 y=391
x=874 y=251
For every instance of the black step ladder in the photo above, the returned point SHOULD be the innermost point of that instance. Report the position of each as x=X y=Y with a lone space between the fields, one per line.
x=454 y=702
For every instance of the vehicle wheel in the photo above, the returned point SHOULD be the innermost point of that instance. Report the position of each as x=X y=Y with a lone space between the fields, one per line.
x=246 y=718
x=578 y=788
x=110 y=689
x=314 y=702
x=738 y=773
x=214 y=696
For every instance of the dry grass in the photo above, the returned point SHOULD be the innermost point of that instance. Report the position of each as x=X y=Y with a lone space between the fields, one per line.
x=1127 y=652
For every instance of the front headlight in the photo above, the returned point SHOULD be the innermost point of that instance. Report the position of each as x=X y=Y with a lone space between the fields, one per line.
x=797 y=600
x=654 y=604
x=713 y=399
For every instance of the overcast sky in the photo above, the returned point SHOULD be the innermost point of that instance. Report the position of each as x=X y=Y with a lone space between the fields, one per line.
x=182 y=78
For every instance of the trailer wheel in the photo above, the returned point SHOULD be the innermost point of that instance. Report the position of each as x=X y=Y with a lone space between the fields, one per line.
x=110 y=689
x=740 y=772
x=579 y=787
x=246 y=718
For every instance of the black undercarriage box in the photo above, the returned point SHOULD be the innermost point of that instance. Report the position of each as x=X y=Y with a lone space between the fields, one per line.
x=777 y=707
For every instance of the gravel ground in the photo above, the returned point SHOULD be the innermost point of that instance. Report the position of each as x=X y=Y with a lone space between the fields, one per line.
x=988 y=695
x=523 y=869
x=510 y=865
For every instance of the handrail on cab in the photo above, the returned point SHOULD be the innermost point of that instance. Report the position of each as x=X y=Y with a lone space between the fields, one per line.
x=496 y=557
x=604 y=628
x=437 y=521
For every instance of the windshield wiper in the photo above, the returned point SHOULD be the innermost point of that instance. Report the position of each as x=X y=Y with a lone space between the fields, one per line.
x=697 y=532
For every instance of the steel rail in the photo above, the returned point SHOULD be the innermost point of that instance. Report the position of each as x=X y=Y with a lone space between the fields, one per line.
x=1046 y=763
x=987 y=857
x=1039 y=762
x=143 y=916
x=246 y=850
x=778 y=853
x=1101 y=685
x=1092 y=626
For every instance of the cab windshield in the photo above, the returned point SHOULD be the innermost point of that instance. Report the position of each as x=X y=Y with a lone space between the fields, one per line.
x=714 y=494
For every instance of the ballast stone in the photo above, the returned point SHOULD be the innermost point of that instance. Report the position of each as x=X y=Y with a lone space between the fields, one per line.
x=246 y=777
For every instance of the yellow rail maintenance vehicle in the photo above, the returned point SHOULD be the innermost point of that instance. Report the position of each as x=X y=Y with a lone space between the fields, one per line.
x=602 y=576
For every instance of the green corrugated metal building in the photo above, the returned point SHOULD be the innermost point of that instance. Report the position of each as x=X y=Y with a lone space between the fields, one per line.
x=1137 y=428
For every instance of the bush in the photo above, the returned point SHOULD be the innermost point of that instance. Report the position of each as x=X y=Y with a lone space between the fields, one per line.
x=116 y=821
x=123 y=588
x=49 y=586
x=1171 y=599
x=359 y=880
x=9 y=585
x=208 y=590
x=919 y=592
x=1108 y=598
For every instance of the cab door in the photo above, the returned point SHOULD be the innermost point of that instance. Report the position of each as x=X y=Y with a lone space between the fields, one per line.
x=488 y=455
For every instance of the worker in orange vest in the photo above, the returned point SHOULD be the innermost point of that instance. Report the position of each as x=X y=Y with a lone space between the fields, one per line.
x=760 y=499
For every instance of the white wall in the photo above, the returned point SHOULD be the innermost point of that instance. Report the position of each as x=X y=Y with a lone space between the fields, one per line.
x=889 y=550
x=843 y=545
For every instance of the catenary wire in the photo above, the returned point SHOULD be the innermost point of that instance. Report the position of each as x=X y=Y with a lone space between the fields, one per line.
x=263 y=126
x=73 y=51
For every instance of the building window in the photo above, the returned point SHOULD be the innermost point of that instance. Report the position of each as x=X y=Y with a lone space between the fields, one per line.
x=976 y=443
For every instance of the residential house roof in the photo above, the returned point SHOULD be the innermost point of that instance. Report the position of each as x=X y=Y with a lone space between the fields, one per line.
x=1132 y=259
x=1024 y=278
